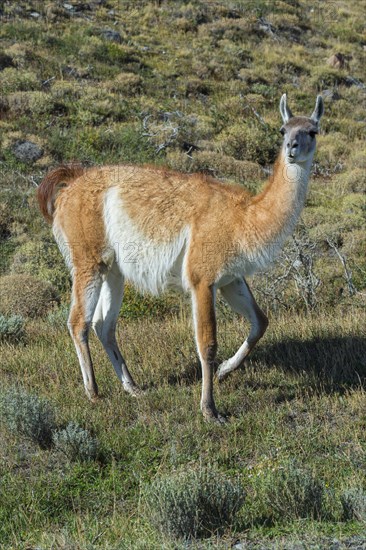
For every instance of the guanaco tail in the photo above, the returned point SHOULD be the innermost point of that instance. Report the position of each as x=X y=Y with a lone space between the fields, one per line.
x=159 y=228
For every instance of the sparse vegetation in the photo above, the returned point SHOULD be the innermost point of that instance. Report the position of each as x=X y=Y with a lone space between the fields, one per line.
x=75 y=443
x=354 y=504
x=195 y=86
x=295 y=493
x=193 y=503
x=11 y=328
x=27 y=415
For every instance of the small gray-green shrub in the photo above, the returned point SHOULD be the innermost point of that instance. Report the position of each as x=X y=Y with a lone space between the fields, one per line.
x=11 y=328
x=294 y=493
x=354 y=504
x=27 y=415
x=58 y=317
x=193 y=503
x=75 y=443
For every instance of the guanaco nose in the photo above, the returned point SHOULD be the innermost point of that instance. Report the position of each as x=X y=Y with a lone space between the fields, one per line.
x=292 y=147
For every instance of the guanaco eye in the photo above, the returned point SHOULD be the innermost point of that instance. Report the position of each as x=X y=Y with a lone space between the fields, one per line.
x=312 y=134
x=283 y=131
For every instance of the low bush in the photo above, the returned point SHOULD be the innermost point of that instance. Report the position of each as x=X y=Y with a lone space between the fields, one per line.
x=13 y=79
x=354 y=504
x=294 y=493
x=57 y=318
x=75 y=443
x=250 y=142
x=125 y=83
x=25 y=295
x=193 y=503
x=27 y=415
x=11 y=328
x=38 y=103
x=42 y=259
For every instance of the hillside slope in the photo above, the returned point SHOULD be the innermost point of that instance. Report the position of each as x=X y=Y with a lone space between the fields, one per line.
x=195 y=86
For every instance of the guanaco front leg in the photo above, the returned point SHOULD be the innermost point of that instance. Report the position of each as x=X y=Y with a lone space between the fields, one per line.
x=203 y=304
x=241 y=300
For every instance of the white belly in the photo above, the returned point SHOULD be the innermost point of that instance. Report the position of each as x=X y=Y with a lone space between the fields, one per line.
x=151 y=266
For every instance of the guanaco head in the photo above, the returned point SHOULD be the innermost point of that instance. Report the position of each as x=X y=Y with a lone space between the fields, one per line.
x=299 y=131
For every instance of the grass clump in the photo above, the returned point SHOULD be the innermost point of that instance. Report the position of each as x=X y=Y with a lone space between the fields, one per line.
x=27 y=415
x=136 y=305
x=76 y=443
x=295 y=493
x=193 y=503
x=11 y=328
x=354 y=504
x=16 y=80
x=26 y=296
x=43 y=260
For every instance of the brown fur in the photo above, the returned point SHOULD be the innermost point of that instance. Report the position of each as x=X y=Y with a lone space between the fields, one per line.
x=46 y=191
x=161 y=203
x=79 y=212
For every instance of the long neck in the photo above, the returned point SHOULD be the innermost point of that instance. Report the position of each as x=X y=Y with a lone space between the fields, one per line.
x=272 y=215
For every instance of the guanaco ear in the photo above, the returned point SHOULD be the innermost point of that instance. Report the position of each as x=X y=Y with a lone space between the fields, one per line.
x=319 y=109
x=284 y=109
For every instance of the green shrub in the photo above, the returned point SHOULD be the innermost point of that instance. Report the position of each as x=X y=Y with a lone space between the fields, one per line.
x=25 y=295
x=294 y=493
x=13 y=79
x=75 y=443
x=27 y=415
x=250 y=142
x=124 y=142
x=58 y=316
x=42 y=259
x=326 y=77
x=126 y=83
x=30 y=103
x=354 y=504
x=11 y=328
x=193 y=503
x=354 y=181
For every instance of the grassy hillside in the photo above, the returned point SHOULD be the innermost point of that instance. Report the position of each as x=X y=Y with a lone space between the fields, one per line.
x=194 y=86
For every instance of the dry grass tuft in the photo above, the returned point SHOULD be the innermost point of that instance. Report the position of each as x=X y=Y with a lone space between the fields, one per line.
x=25 y=295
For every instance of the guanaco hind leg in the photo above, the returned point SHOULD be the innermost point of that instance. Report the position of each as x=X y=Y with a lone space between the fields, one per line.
x=105 y=321
x=85 y=293
x=241 y=300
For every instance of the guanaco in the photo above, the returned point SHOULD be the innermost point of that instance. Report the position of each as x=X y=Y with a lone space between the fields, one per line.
x=159 y=228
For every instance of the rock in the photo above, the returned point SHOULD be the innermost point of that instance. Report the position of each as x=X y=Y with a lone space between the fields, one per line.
x=352 y=81
x=26 y=151
x=69 y=7
x=111 y=35
x=339 y=61
x=35 y=14
x=266 y=26
x=331 y=95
